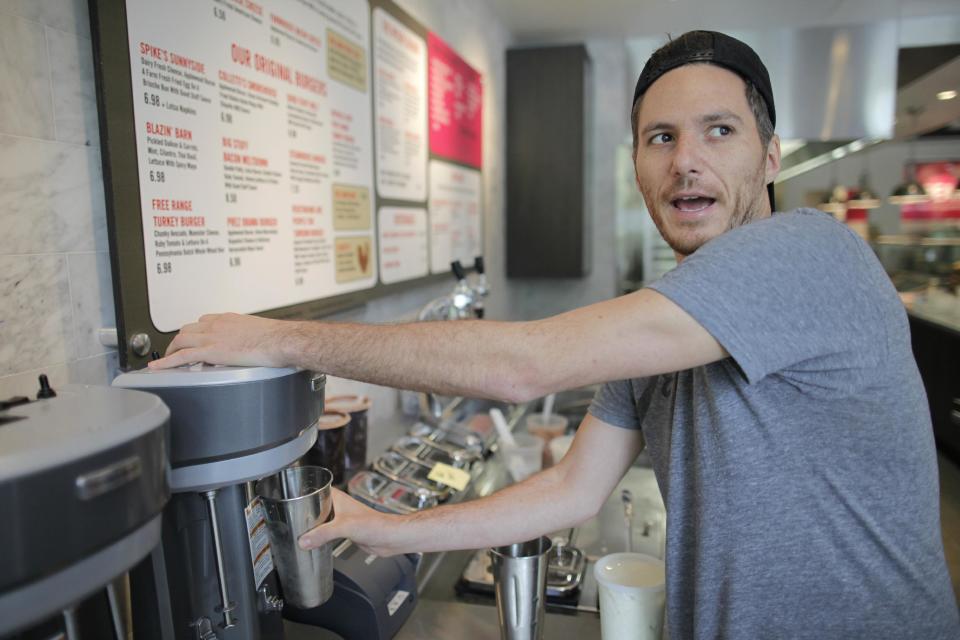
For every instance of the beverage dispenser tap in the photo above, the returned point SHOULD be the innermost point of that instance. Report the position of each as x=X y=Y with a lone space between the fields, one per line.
x=463 y=298
x=481 y=289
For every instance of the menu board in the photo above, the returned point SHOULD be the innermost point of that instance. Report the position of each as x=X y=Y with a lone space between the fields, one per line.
x=426 y=99
x=254 y=149
x=403 y=244
x=456 y=98
x=280 y=153
x=400 y=80
x=455 y=224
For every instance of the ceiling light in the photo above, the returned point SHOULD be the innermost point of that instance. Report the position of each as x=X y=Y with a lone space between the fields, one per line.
x=947 y=95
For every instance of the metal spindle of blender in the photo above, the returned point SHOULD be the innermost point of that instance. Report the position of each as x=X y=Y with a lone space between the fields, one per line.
x=71 y=627
x=226 y=606
x=115 y=611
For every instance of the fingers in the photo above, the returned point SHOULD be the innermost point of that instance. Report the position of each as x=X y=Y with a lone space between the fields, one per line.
x=322 y=534
x=351 y=520
x=185 y=341
x=179 y=358
x=219 y=338
x=193 y=327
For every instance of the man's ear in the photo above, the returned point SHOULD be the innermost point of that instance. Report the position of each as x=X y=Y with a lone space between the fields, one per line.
x=773 y=159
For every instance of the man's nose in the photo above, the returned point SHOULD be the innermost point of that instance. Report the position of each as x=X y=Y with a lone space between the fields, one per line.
x=687 y=156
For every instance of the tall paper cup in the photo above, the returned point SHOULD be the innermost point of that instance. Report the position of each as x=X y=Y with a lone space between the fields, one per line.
x=631 y=596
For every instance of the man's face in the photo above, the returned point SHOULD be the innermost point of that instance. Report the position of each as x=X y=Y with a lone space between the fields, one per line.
x=700 y=163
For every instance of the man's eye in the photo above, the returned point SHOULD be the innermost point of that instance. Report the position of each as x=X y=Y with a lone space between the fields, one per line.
x=720 y=130
x=661 y=138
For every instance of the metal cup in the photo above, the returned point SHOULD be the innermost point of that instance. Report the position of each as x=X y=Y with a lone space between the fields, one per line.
x=296 y=500
x=520 y=579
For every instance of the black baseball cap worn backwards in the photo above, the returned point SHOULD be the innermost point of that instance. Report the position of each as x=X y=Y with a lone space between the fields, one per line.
x=710 y=47
x=713 y=48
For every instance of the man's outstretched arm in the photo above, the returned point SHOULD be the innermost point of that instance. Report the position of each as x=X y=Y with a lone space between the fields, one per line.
x=636 y=335
x=562 y=496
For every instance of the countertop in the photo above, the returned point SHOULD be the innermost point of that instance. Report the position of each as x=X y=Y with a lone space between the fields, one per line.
x=935 y=306
x=947 y=319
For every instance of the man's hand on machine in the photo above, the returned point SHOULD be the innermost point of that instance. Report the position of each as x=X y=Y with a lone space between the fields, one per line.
x=368 y=528
x=227 y=338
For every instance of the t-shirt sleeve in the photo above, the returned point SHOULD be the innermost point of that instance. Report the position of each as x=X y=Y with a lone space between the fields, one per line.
x=614 y=403
x=795 y=294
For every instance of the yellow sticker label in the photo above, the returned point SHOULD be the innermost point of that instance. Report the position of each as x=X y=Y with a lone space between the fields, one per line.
x=450 y=476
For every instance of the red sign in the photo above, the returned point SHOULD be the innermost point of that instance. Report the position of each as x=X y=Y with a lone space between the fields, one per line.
x=939 y=179
x=456 y=100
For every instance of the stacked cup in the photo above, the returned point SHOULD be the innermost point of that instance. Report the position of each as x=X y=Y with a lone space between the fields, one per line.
x=357 y=407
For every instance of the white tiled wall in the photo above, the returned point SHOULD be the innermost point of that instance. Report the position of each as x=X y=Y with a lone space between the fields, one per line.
x=55 y=288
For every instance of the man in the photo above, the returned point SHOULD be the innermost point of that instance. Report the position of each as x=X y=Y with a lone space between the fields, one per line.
x=770 y=375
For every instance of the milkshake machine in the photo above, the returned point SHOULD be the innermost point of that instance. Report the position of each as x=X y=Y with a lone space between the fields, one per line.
x=83 y=481
x=212 y=578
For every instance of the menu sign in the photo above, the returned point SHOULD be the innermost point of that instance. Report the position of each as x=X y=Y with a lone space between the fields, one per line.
x=403 y=244
x=400 y=92
x=456 y=96
x=255 y=152
x=455 y=225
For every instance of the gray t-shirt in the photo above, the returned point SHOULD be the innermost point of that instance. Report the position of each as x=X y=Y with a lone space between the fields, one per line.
x=800 y=473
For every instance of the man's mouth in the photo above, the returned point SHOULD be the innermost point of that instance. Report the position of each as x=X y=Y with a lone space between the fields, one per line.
x=692 y=204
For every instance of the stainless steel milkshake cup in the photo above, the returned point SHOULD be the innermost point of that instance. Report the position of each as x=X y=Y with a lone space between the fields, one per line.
x=296 y=500
x=520 y=578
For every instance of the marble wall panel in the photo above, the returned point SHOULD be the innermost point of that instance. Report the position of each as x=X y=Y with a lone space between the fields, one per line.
x=67 y=15
x=25 y=383
x=95 y=370
x=91 y=288
x=36 y=320
x=74 y=89
x=51 y=197
x=26 y=103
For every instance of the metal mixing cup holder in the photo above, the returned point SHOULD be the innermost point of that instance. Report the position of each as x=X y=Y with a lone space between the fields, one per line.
x=520 y=578
x=296 y=500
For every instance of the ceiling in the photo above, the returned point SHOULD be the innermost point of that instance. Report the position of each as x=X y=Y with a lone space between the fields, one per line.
x=639 y=22
x=548 y=21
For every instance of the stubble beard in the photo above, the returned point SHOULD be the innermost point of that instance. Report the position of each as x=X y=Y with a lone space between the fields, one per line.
x=746 y=207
